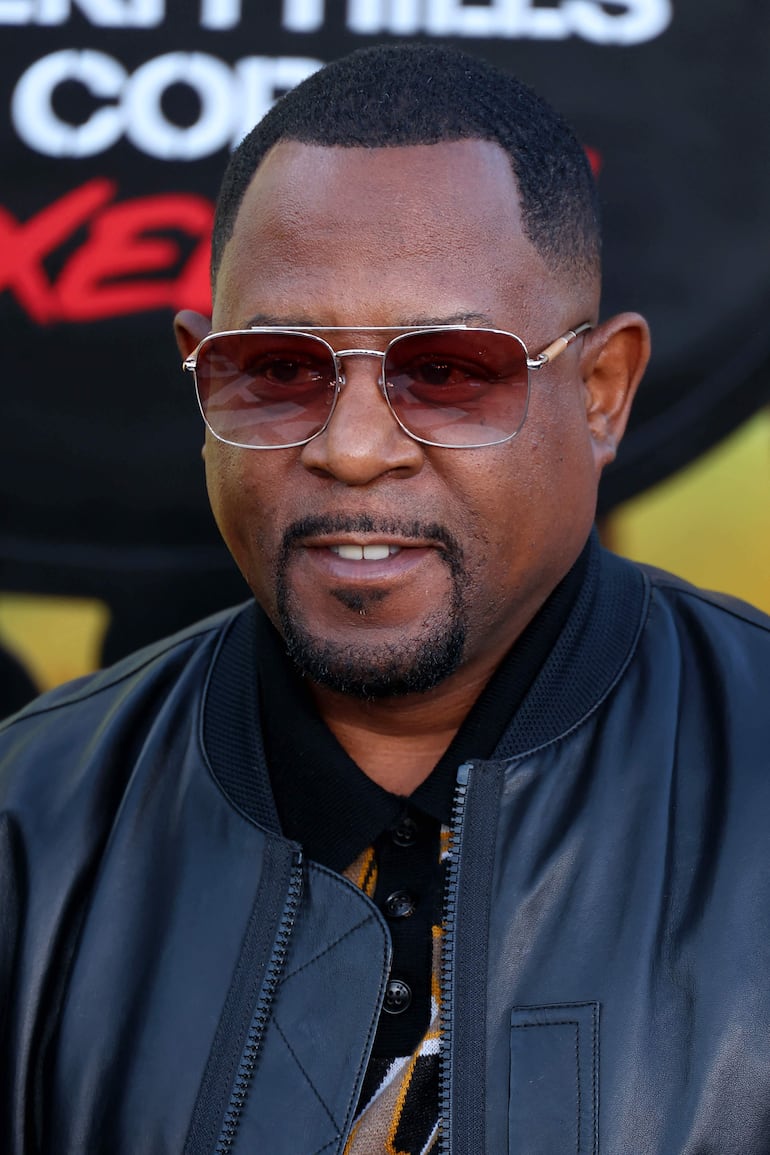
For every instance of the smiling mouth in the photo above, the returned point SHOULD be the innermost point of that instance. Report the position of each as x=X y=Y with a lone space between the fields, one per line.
x=355 y=539
x=373 y=552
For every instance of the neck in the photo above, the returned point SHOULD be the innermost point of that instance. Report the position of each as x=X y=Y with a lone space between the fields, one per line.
x=397 y=741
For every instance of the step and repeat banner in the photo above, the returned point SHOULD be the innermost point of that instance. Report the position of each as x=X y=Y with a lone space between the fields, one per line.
x=116 y=119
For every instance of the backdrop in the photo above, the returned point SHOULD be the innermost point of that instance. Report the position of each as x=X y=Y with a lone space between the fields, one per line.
x=116 y=119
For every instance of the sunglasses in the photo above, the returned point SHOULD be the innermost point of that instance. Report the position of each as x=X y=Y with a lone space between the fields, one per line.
x=451 y=386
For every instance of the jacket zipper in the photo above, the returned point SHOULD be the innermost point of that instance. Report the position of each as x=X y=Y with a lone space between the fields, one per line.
x=465 y=958
x=448 y=943
x=260 y=1018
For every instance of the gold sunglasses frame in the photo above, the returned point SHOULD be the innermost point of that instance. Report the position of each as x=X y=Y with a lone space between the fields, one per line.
x=545 y=357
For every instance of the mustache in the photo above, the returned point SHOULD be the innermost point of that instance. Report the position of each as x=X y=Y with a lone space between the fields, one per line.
x=324 y=524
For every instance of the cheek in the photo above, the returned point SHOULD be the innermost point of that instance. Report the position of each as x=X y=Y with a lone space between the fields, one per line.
x=222 y=483
x=561 y=440
x=539 y=497
x=243 y=502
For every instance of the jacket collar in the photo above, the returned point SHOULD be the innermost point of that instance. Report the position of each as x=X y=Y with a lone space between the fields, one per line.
x=588 y=660
x=592 y=651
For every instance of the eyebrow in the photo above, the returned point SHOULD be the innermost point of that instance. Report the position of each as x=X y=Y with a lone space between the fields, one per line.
x=273 y=321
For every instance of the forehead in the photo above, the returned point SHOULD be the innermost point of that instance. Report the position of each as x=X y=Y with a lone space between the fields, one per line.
x=347 y=235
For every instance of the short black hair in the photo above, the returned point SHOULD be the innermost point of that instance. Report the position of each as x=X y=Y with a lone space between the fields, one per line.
x=406 y=94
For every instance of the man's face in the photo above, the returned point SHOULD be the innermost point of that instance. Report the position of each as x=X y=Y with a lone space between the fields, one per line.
x=464 y=544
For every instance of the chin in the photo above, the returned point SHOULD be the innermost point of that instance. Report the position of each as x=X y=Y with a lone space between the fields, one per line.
x=376 y=671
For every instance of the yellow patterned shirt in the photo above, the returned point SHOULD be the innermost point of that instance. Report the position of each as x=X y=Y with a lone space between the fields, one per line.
x=398 y=1108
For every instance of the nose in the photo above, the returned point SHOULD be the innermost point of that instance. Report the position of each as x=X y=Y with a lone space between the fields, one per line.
x=363 y=441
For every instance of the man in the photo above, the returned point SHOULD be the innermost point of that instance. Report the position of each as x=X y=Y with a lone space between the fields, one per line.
x=480 y=866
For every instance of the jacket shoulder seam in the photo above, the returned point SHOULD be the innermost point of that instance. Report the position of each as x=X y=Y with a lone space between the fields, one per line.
x=91 y=685
x=713 y=599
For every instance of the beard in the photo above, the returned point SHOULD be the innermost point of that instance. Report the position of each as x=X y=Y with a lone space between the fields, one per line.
x=376 y=670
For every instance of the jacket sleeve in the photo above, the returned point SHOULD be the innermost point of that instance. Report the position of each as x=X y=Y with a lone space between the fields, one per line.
x=10 y=913
x=35 y=884
x=11 y=918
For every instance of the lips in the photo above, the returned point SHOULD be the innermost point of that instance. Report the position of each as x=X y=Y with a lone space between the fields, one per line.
x=338 y=561
x=361 y=548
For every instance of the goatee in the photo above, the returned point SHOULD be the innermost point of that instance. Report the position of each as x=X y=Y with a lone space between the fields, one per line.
x=376 y=670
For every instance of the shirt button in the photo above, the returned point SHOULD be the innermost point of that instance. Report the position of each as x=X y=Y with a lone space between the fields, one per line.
x=398 y=996
x=405 y=832
x=400 y=904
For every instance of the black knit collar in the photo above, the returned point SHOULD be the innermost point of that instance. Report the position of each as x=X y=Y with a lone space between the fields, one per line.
x=593 y=647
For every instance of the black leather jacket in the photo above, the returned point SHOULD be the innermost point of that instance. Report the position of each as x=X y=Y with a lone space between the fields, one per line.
x=175 y=978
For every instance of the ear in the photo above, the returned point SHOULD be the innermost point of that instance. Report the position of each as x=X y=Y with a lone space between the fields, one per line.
x=189 y=329
x=615 y=355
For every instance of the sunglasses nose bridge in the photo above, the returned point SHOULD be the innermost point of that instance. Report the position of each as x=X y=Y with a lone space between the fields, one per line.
x=339 y=354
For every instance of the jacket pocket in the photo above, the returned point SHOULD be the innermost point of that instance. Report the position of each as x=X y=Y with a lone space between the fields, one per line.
x=554 y=1080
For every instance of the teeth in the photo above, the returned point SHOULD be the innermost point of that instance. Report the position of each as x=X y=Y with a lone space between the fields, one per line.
x=376 y=552
x=365 y=552
x=349 y=552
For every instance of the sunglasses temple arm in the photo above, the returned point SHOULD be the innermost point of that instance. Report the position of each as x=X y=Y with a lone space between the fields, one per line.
x=552 y=351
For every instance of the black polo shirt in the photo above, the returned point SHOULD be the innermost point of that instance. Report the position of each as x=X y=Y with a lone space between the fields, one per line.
x=328 y=805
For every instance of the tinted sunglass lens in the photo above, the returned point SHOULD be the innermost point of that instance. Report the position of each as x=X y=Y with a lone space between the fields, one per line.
x=463 y=388
x=265 y=389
